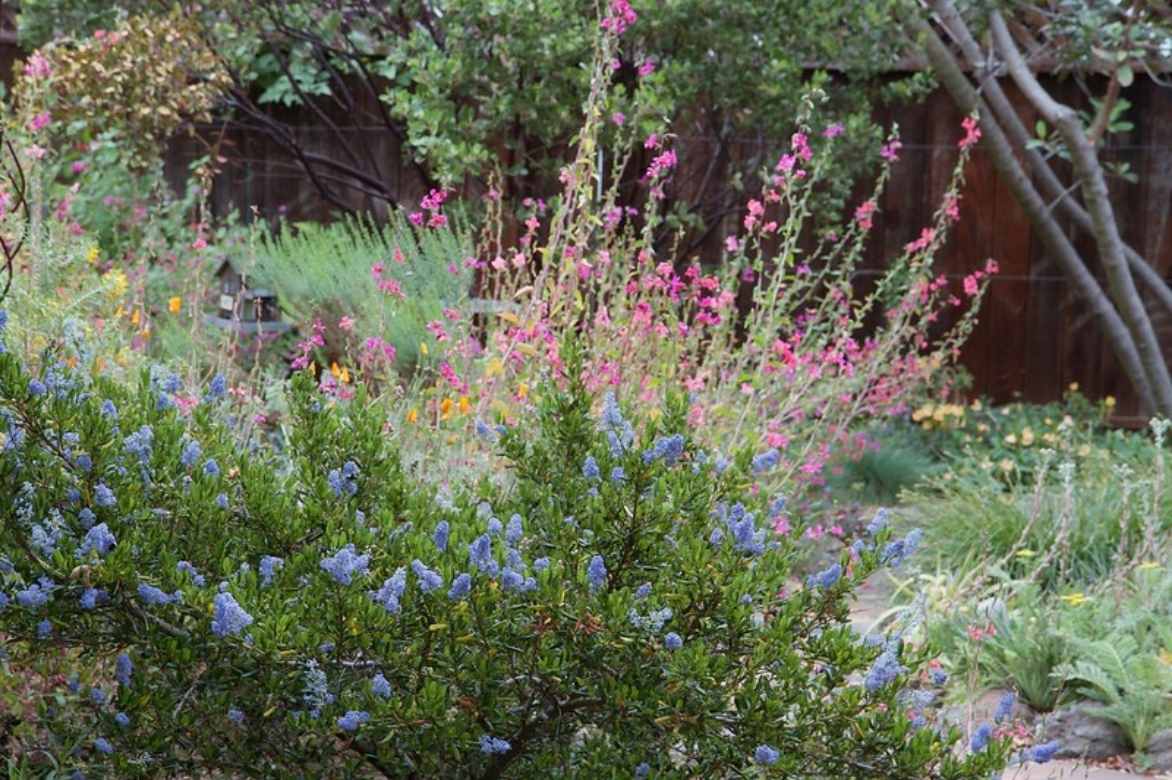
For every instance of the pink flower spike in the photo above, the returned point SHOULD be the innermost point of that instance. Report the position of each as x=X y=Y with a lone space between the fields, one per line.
x=619 y=118
x=833 y=131
x=346 y=323
x=646 y=68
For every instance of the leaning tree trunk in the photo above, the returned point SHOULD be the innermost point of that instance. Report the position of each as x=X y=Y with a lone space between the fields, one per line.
x=1049 y=231
x=1098 y=202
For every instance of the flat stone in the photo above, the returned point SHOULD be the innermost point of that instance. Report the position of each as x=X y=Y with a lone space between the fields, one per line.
x=1065 y=769
x=1083 y=734
x=1160 y=751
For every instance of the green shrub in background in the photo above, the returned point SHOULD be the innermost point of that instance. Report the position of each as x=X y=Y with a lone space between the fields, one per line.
x=317 y=611
x=324 y=272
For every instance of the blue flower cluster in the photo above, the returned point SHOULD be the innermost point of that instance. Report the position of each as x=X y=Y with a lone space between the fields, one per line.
x=490 y=745
x=590 y=469
x=440 y=537
x=884 y=671
x=123 y=670
x=390 y=595
x=619 y=433
x=98 y=539
x=269 y=565
x=155 y=596
x=596 y=572
x=741 y=526
x=228 y=617
x=36 y=595
x=897 y=551
x=669 y=449
x=190 y=454
x=673 y=641
x=460 y=586
x=826 y=578
x=766 y=755
x=138 y=444
x=481 y=557
x=765 y=461
x=429 y=579
x=345 y=564
x=197 y=579
x=380 y=687
x=344 y=480
x=352 y=720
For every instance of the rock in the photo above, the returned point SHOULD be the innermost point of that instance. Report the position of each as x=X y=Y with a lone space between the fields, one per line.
x=1083 y=734
x=1160 y=750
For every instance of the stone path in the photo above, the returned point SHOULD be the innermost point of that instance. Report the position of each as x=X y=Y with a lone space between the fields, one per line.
x=1070 y=770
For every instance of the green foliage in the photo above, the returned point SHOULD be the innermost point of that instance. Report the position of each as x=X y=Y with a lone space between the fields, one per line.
x=324 y=272
x=272 y=670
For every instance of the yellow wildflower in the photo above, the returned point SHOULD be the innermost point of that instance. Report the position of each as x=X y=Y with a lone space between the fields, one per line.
x=446 y=408
x=464 y=405
x=922 y=413
x=135 y=318
x=413 y=416
x=495 y=366
x=422 y=348
x=1025 y=553
x=175 y=304
x=522 y=391
x=340 y=373
x=119 y=283
x=92 y=255
x=1074 y=599
x=1109 y=402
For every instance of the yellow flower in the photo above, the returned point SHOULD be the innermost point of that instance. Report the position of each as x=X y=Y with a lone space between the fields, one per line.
x=1027 y=437
x=1109 y=402
x=1011 y=438
x=175 y=304
x=92 y=255
x=119 y=284
x=446 y=408
x=1074 y=599
x=522 y=391
x=922 y=413
x=413 y=416
x=464 y=405
x=495 y=366
x=1025 y=553
x=135 y=318
x=422 y=348
x=341 y=374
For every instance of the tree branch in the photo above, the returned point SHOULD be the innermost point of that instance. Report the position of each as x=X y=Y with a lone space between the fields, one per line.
x=1051 y=235
x=1097 y=198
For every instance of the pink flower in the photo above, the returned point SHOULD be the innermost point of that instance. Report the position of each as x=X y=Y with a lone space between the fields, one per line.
x=971 y=287
x=646 y=68
x=391 y=287
x=833 y=131
x=199 y=243
x=781 y=525
x=377 y=269
x=732 y=244
x=437 y=329
x=652 y=141
x=437 y=221
x=397 y=256
x=416 y=218
x=621 y=17
x=618 y=117
x=815 y=532
x=37 y=66
x=79 y=166
x=991 y=266
x=972 y=133
x=452 y=314
x=35 y=152
x=39 y=121
x=890 y=150
x=346 y=323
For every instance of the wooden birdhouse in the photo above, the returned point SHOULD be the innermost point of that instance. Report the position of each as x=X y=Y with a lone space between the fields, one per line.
x=242 y=308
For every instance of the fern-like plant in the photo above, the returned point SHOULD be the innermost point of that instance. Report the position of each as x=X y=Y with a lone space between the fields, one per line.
x=1135 y=687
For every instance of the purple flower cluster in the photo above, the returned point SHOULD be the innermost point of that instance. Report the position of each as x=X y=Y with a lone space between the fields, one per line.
x=345 y=564
x=669 y=449
x=228 y=618
x=344 y=480
x=98 y=539
x=429 y=579
x=390 y=594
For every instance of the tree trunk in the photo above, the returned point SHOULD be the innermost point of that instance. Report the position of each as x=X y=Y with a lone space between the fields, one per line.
x=1050 y=233
x=1098 y=202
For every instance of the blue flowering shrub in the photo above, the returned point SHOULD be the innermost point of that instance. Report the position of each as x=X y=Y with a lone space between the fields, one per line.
x=617 y=610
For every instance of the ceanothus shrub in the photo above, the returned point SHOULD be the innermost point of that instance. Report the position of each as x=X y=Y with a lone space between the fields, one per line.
x=618 y=610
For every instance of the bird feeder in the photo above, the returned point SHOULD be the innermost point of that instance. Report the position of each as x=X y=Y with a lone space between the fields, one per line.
x=244 y=309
